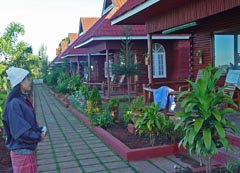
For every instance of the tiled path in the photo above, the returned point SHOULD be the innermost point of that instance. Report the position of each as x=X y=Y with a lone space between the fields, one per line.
x=70 y=147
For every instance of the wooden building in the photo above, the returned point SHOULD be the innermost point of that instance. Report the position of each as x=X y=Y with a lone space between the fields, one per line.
x=213 y=26
x=106 y=39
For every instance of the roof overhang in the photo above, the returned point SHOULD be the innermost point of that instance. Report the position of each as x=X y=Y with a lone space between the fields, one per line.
x=134 y=11
x=71 y=55
x=94 y=54
x=162 y=37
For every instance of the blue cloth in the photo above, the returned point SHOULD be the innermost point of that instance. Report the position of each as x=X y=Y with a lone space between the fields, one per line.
x=20 y=125
x=160 y=95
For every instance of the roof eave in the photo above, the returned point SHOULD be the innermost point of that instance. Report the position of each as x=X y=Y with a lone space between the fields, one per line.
x=137 y=9
x=112 y=38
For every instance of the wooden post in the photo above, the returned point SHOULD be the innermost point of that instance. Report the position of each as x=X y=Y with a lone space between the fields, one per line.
x=150 y=59
x=108 y=74
x=78 y=67
x=89 y=67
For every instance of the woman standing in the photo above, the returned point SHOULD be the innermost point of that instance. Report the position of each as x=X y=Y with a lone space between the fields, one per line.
x=20 y=125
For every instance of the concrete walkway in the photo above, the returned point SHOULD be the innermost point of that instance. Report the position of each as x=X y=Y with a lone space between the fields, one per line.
x=71 y=147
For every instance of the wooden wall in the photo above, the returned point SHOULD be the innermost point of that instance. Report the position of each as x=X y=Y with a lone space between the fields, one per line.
x=203 y=35
x=190 y=11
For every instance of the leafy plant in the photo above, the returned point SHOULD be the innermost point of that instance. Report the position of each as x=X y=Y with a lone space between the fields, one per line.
x=137 y=104
x=113 y=103
x=84 y=91
x=151 y=123
x=74 y=83
x=202 y=116
x=127 y=117
x=233 y=166
x=135 y=110
x=95 y=97
x=103 y=120
x=3 y=95
x=168 y=132
x=52 y=77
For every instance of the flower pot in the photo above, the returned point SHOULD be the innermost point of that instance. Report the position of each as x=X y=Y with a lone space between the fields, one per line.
x=131 y=128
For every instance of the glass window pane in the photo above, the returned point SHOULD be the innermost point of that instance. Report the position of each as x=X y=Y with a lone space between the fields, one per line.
x=159 y=64
x=224 y=50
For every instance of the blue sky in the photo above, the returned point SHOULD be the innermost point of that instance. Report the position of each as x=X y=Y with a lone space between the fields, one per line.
x=47 y=21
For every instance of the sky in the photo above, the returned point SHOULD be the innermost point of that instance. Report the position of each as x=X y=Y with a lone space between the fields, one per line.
x=47 y=21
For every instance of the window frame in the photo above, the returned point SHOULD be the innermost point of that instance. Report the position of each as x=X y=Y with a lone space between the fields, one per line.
x=159 y=51
x=235 y=53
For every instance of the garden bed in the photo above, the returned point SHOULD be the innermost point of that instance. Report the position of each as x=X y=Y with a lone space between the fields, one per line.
x=147 y=151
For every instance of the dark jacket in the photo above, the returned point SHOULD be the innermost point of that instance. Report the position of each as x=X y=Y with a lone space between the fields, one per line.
x=20 y=125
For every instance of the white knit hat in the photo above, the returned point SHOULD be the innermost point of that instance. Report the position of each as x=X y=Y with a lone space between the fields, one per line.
x=16 y=75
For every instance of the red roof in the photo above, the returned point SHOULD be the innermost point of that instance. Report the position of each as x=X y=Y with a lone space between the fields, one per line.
x=128 y=6
x=103 y=27
x=85 y=23
x=147 y=11
x=71 y=51
x=56 y=59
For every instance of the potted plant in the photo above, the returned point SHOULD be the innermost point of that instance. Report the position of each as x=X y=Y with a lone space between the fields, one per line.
x=202 y=116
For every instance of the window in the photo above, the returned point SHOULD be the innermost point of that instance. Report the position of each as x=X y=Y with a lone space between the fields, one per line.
x=110 y=68
x=159 y=61
x=227 y=51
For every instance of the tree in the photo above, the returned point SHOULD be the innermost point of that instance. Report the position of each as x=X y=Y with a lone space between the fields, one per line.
x=19 y=54
x=126 y=64
x=42 y=53
x=9 y=39
x=203 y=116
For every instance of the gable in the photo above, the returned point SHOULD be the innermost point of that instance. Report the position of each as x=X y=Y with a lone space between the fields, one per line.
x=86 y=23
x=107 y=6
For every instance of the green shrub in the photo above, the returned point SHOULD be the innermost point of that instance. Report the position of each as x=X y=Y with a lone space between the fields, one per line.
x=233 y=166
x=3 y=96
x=103 y=120
x=52 y=77
x=113 y=103
x=137 y=104
x=74 y=83
x=168 y=133
x=84 y=91
x=62 y=83
x=151 y=123
x=95 y=97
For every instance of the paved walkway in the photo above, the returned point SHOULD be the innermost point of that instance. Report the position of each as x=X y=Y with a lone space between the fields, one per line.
x=71 y=147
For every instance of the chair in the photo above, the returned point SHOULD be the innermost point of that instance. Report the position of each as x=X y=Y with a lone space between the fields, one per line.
x=119 y=84
x=232 y=84
x=112 y=79
x=187 y=87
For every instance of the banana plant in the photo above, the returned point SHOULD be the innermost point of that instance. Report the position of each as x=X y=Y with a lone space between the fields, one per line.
x=203 y=116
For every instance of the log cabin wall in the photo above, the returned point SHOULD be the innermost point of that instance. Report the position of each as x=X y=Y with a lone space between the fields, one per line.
x=190 y=11
x=177 y=63
x=203 y=35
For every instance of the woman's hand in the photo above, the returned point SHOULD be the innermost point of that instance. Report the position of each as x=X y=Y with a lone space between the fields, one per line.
x=43 y=135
